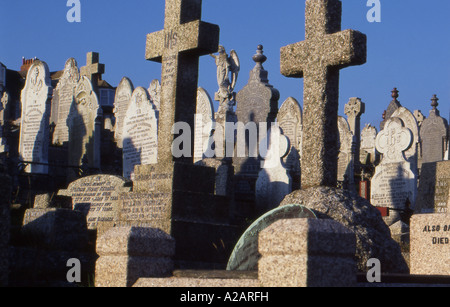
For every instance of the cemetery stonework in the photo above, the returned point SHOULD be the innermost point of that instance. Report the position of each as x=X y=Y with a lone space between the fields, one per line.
x=113 y=178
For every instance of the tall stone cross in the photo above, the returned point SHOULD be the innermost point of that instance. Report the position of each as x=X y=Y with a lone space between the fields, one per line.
x=318 y=59
x=93 y=69
x=184 y=39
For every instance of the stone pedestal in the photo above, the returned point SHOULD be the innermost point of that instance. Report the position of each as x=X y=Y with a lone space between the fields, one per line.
x=129 y=253
x=307 y=253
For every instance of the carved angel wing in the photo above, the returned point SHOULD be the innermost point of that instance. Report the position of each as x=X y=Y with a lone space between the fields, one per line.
x=235 y=67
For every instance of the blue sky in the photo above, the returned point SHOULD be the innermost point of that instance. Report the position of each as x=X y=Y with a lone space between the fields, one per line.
x=408 y=49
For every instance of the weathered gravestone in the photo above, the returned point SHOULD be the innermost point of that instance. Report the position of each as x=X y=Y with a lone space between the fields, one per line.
x=97 y=197
x=290 y=119
x=394 y=183
x=434 y=135
x=204 y=119
x=84 y=128
x=318 y=59
x=245 y=255
x=273 y=182
x=63 y=98
x=34 y=132
x=257 y=108
x=430 y=244
x=368 y=152
x=93 y=69
x=354 y=109
x=346 y=162
x=434 y=188
x=154 y=91
x=121 y=103
x=140 y=133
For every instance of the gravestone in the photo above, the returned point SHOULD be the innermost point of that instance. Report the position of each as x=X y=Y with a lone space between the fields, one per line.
x=121 y=103
x=34 y=132
x=346 y=163
x=84 y=122
x=354 y=109
x=434 y=135
x=368 y=152
x=154 y=91
x=93 y=69
x=274 y=181
x=63 y=98
x=257 y=104
x=97 y=197
x=140 y=133
x=204 y=119
x=433 y=193
x=245 y=254
x=318 y=60
x=392 y=107
x=290 y=119
x=410 y=122
x=175 y=195
x=419 y=117
x=394 y=183
x=430 y=244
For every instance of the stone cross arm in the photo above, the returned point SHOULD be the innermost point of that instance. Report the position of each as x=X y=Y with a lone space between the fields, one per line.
x=338 y=50
x=196 y=36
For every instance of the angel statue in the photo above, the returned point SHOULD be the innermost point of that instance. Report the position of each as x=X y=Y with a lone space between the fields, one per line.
x=227 y=72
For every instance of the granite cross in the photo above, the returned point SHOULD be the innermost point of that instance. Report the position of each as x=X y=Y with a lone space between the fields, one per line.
x=93 y=69
x=318 y=59
x=184 y=39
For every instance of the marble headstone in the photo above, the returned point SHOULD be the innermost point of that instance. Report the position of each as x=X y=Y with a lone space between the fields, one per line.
x=274 y=181
x=140 y=133
x=394 y=183
x=290 y=120
x=368 y=153
x=410 y=122
x=154 y=91
x=63 y=98
x=121 y=103
x=346 y=161
x=204 y=120
x=34 y=132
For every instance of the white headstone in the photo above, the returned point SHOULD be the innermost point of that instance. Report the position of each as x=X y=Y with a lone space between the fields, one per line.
x=394 y=183
x=290 y=121
x=345 y=157
x=204 y=119
x=368 y=153
x=410 y=122
x=140 y=133
x=63 y=98
x=34 y=132
x=154 y=91
x=84 y=129
x=121 y=103
x=274 y=181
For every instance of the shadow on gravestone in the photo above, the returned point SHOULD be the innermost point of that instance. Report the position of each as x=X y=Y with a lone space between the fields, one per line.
x=373 y=237
x=245 y=255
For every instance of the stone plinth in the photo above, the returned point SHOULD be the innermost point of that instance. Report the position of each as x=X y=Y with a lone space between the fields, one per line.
x=129 y=253
x=430 y=244
x=307 y=253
